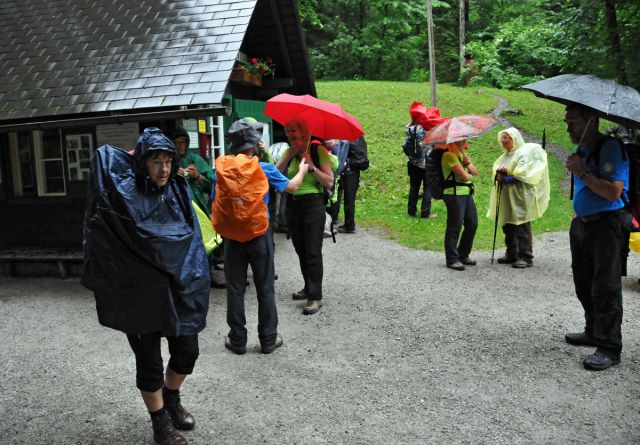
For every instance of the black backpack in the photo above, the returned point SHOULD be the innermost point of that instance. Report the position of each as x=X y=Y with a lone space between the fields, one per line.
x=435 y=180
x=630 y=151
x=357 y=158
x=328 y=193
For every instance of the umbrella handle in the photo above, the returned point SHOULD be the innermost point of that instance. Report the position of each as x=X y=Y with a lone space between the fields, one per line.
x=306 y=150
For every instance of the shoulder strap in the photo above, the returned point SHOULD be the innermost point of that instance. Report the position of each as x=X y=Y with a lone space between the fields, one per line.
x=596 y=153
x=315 y=157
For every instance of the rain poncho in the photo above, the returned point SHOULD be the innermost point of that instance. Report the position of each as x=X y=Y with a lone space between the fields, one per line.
x=527 y=198
x=144 y=256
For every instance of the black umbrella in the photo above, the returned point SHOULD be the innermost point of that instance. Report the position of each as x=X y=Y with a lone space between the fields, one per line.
x=612 y=101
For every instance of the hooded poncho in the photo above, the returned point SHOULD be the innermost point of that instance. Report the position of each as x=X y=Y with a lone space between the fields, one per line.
x=144 y=256
x=528 y=198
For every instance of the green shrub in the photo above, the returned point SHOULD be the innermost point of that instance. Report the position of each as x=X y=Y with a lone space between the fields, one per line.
x=519 y=53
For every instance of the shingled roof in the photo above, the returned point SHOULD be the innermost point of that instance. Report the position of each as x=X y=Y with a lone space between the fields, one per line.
x=61 y=58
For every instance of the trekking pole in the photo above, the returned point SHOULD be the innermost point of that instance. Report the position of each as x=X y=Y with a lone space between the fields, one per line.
x=495 y=225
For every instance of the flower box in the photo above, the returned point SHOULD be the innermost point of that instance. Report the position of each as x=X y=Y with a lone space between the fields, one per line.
x=240 y=75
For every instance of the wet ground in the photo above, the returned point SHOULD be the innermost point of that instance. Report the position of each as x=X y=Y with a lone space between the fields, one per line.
x=403 y=351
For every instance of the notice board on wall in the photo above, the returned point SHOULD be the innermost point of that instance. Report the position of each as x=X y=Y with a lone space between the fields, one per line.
x=124 y=136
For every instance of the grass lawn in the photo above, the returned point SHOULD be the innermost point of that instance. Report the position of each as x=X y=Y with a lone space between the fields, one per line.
x=383 y=110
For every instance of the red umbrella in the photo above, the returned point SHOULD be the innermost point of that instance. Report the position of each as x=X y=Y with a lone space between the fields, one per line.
x=460 y=128
x=325 y=120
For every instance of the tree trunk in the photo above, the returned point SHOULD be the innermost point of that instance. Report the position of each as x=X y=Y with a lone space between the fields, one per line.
x=362 y=12
x=383 y=37
x=466 y=11
x=432 y=53
x=461 y=34
x=614 y=39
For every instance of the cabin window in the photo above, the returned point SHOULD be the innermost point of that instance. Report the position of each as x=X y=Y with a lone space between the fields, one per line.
x=36 y=163
x=22 y=164
x=49 y=163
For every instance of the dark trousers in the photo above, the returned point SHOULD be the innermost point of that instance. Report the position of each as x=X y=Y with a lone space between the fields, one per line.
x=416 y=180
x=461 y=213
x=598 y=250
x=282 y=211
x=149 y=368
x=519 y=241
x=237 y=257
x=348 y=188
x=306 y=218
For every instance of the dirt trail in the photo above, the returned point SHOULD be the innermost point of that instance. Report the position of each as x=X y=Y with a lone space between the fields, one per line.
x=558 y=152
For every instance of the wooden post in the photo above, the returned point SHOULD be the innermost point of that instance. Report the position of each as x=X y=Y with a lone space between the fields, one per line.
x=461 y=35
x=432 y=56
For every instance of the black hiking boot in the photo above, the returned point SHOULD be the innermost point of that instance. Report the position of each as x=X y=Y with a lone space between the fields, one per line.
x=163 y=431
x=181 y=418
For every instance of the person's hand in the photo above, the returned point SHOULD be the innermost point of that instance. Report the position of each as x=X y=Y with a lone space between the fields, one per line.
x=306 y=156
x=193 y=171
x=303 y=167
x=502 y=170
x=499 y=176
x=261 y=146
x=574 y=164
x=466 y=161
x=181 y=171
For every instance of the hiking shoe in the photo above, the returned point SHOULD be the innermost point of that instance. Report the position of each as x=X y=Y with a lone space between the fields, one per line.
x=456 y=266
x=579 y=339
x=312 y=307
x=268 y=349
x=300 y=295
x=181 y=418
x=599 y=361
x=468 y=261
x=521 y=264
x=238 y=349
x=343 y=229
x=506 y=260
x=430 y=216
x=164 y=432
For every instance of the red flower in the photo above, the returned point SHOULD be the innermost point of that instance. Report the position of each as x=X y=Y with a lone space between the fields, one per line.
x=254 y=60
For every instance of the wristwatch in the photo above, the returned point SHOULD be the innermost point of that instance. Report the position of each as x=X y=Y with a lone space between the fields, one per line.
x=311 y=170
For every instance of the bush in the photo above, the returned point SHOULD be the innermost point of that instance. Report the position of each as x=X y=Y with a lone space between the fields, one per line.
x=520 y=53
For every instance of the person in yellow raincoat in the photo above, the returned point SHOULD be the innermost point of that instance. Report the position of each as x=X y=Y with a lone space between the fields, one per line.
x=522 y=186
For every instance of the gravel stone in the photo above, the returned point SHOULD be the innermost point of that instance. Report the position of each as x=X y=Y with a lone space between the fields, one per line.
x=404 y=351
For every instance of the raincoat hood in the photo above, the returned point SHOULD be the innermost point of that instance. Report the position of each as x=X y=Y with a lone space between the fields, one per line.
x=182 y=133
x=144 y=256
x=150 y=140
x=528 y=198
x=516 y=137
x=427 y=118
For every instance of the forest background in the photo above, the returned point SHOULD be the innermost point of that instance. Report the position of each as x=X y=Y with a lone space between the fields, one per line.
x=372 y=58
x=511 y=42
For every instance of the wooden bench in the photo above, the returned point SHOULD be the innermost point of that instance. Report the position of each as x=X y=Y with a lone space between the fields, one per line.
x=8 y=257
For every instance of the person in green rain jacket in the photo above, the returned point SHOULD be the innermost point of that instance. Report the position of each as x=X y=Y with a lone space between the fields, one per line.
x=195 y=170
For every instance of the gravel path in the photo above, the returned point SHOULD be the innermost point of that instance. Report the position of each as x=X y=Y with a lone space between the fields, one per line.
x=404 y=351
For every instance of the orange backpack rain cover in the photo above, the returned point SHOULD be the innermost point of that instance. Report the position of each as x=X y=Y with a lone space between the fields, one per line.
x=239 y=212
